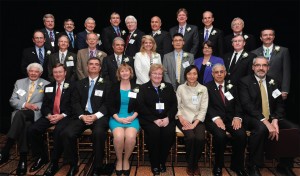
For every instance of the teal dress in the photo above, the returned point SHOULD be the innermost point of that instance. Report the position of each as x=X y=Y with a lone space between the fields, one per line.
x=123 y=113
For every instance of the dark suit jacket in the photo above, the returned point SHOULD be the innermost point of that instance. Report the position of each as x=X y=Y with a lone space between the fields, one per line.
x=80 y=97
x=280 y=65
x=107 y=36
x=191 y=38
x=163 y=43
x=71 y=70
x=131 y=49
x=216 y=106
x=114 y=102
x=147 y=99
x=70 y=48
x=217 y=40
x=242 y=67
x=65 y=100
x=30 y=56
x=110 y=66
x=250 y=98
x=249 y=46
x=81 y=40
x=48 y=41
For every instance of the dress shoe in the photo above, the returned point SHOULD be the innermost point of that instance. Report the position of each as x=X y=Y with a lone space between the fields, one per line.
x=189 y=171
x=217 y=171
x=73 y=170
x=197 y=171
x=155 y=171
x=38 y=164
x=163 y=168
x=3 y=158
x=126 y=172
x=240 y=172
x=284 y=170
x=51 y=170
x=22 y=168
x=119 y=172
x=254 y=171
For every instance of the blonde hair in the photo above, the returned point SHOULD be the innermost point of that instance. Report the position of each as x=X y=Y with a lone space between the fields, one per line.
x=155 y=67
x=126 y=67
x=148 y=37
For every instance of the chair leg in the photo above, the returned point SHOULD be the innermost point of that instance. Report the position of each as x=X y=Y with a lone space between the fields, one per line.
x=138 y=149
x=176 y=149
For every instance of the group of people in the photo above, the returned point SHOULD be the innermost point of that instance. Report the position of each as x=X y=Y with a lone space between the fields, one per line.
x=126 y=81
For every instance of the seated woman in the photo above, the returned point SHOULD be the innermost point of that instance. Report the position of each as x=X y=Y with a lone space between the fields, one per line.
x=123 y=123
x=192 y=98
x=157 y=109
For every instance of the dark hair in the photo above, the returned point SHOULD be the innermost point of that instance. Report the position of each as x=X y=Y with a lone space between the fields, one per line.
x=267 y=29
x=188 y=69
x=95 y=58
x=177 y=34
x=38 y=30
x=60 y=65
x=208 y=43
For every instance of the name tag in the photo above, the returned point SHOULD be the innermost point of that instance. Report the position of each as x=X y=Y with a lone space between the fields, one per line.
x=69 y=63
x=52 y=44
x=186 y=64
x=228 y=96
x=98 y=93
x=49 y=89
x=195 y=100
x=160 y=106
x=21 y=92
x=132 y=95
x=276 y=93
x=131 y=41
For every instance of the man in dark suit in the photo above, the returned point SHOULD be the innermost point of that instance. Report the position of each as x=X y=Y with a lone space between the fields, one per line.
x=69 y=31
x=56 y=110
x=134 y=36
x=189 y=32
x=39 y=54
x=162 y=38
x=65 y=57
x=209 y=32
x=224 y=114
x=112 y=62
x=110 y=32
x=279 y=60
x=49 y=32
x=260 y=98
x=89 y=111
x=239 y=62
x=237 y=26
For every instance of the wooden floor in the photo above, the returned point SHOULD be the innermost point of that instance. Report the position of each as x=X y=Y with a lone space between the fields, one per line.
x=173 y=169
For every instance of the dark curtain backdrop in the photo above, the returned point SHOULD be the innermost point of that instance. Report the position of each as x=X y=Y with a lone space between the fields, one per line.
x=20 y=18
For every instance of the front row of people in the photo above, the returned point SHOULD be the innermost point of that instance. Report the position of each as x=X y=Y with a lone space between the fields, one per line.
x=255 y=104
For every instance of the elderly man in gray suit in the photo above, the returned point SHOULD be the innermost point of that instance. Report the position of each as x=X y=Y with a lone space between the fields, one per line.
x=176 y=61
x=26 y=99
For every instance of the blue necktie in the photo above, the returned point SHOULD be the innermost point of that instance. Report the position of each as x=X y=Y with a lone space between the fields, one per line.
x=71 y=39
x=181 y=30
x=41 y=57
x=206 y=36
x=156 y=88
x=89 y=98
x=51 y=37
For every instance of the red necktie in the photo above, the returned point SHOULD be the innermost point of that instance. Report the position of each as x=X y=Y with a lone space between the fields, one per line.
x=56 y=109
x=127 y=39
x=221 y=93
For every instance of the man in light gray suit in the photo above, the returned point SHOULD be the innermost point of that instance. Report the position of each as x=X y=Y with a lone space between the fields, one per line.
x=279 y=60
x=176 y=61
x=26 y=99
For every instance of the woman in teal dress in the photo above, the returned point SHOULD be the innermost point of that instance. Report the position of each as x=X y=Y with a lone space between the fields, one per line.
x=123 y=123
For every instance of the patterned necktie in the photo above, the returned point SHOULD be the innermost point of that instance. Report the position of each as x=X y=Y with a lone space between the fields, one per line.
x=264 y=100
x=119 y=60
x=128 y=38
x=178 y=64
x=51 y=36
x=41 y=57
x=89 y=97
x=91 y=54
x=71 y=39
x=30 y=92
x=56 y=107
x=118 y=32
x=267 y=53
x=181 y=30
x=233 y=62
x=221 y=93
x=206 y=35
x=62 y=59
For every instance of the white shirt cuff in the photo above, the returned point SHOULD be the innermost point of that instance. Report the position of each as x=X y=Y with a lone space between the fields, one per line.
x=215 y=118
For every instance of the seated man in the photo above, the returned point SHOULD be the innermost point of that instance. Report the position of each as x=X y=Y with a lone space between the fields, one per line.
x=224 y=114
x=26 y=100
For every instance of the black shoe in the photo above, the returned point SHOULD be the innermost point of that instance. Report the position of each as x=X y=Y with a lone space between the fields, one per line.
x=163 y=168
x=3 y=157
x=96 y=172
x=51 y=170
x=217 y=171
x=285 y=170
x=22 y=168
x=155 y=171
x=254 y=171
x=119 y=172
x=38 y=164
x=240 y=172
x=126 y=172
x=73 y=170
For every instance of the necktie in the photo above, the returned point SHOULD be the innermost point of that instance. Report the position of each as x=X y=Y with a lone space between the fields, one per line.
x=31 y=90
x=128 y=38
x=181 y=30
x=264 y=100
x=119 y=60
x=206 y=35
x=51 y=36
x=178 y=67
x=221 y=93
x=91 y=54
x=267 y=53
x=62 y=59
x=89 y=97
x=71 y=39
x=41 y=57
x=118 y=32
x=56 y=107
x=233 y=62
x=156 y=89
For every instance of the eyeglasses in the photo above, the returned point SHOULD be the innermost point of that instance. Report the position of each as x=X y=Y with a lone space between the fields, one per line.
x=156 y=74
x=261 y=65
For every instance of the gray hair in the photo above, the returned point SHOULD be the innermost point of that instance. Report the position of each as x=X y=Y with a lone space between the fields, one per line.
x=35 y=65
x=48 y=15
x=89 y=18
x=260 y=57
x=237 y=18
x=130 y=17
x=118 y=39
x=218 y=65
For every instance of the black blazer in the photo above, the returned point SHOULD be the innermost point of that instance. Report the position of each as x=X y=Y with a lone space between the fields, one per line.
x=243 y=66
x=80 y=97
x=110 y=66
x=163 y=43
x=147 y=99
x=114 y=102
x=249 y=46
x=250 y=97
x=107 y=36
x=132 y=49
x=216 y=107
x=217 y=40
x=65 y=100
x=48 y=41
